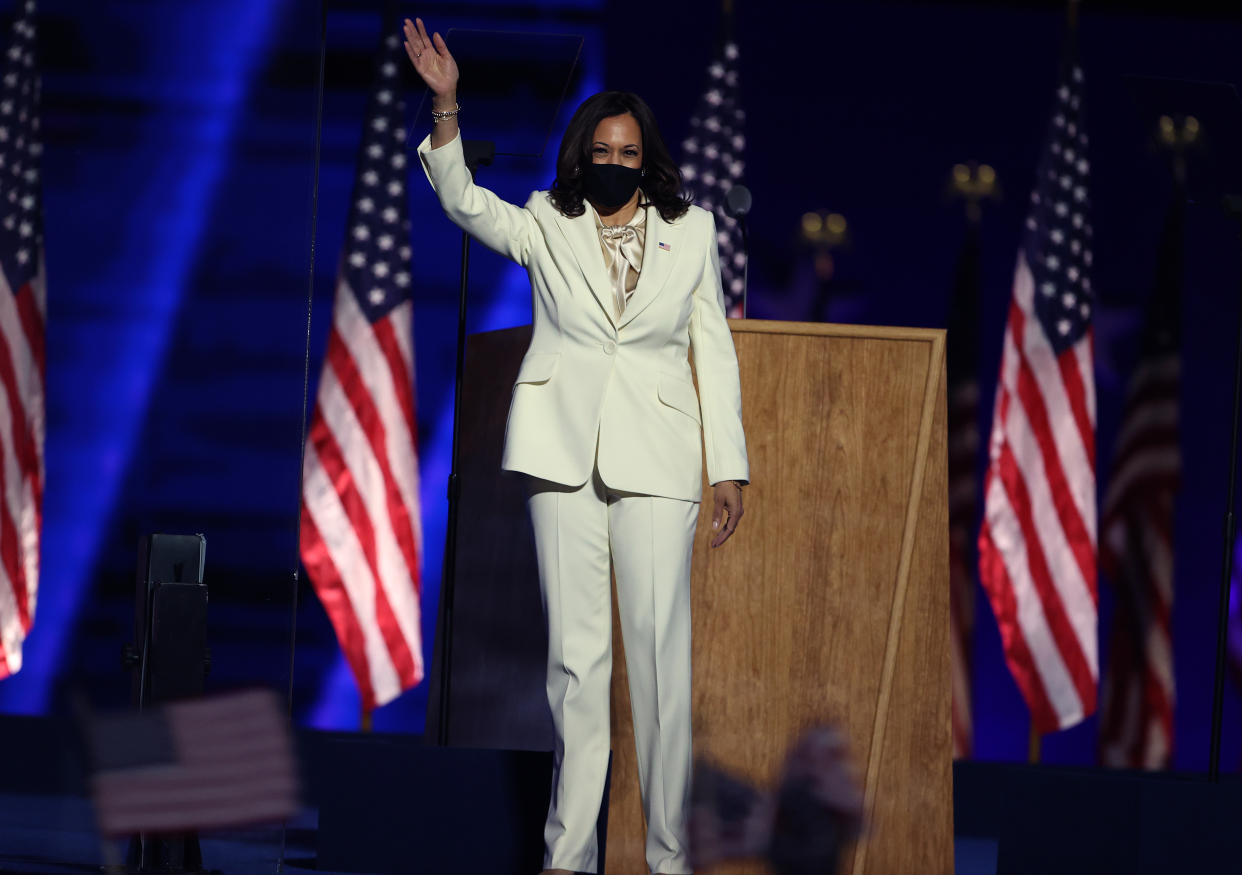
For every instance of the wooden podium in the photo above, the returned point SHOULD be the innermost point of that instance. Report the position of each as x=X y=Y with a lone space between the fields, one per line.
x=830 y=604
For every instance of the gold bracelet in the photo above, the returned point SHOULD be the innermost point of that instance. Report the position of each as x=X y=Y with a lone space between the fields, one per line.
x=440 y=115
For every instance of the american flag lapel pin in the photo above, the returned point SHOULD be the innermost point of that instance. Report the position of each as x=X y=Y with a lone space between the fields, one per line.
x=665 y=246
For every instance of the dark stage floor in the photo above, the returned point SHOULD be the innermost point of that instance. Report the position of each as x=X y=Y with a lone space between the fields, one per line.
x=388 y=804
x=55 y=835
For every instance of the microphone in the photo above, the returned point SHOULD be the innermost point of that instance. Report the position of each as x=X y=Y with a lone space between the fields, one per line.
x=737 y=202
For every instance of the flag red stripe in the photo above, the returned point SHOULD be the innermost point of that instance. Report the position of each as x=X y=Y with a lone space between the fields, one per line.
x=23 y=448
x=1155 y=489
x=1141 y=700
x=147 y=803
x=23 y=441
x=342 y=478
x=1160 y=701
x=34 y=334
x=402 y=378
x=999 y=587
x=1153 y=709
x=960 y=621
x=963 y=511
x=372 y=425
x=32 y=327
x=1076 y=534
x=1150 y=393
x=1161 y=438
x=118 y=817
x=201 y=781
x=335 y=598
x=14 y=568
x=173 y=815
x=1071 y=378
x=1156 y=444
x=1068 y=645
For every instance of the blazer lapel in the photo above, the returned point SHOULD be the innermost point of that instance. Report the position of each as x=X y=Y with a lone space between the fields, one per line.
x=583 y=240
x=662 y=246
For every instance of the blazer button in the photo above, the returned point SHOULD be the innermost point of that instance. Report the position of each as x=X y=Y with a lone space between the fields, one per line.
x=609 y=347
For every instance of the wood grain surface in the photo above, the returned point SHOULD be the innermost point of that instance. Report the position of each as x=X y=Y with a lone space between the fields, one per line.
x=831 y=602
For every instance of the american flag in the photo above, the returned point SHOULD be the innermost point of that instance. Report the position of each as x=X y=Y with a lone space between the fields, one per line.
x=1136 y=533
x=23 y=309
x=963 y=481
x=713 y=164
x=361 y=531
x=1038 y=539
x=196 y=764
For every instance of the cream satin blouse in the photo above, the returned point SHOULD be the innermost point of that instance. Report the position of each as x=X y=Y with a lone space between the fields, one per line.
x=622 y=246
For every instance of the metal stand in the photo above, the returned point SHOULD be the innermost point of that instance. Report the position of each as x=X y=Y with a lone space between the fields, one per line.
x=1233 y=206
x=478 y=153
x=170 y=594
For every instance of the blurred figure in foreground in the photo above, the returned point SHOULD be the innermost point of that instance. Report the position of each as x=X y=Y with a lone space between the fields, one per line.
x=801 y=828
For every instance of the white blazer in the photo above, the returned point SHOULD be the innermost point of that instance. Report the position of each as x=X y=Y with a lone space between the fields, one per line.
x=594 y=389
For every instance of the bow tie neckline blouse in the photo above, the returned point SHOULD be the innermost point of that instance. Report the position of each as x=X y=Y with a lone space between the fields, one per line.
x=622 y=246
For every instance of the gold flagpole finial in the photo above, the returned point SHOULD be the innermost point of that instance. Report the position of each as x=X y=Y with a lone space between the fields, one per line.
x=974 y=183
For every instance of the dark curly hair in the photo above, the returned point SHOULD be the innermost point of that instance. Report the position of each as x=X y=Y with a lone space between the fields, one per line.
x=661 y=185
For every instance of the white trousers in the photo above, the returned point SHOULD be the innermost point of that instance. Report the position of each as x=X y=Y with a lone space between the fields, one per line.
x=650 y=541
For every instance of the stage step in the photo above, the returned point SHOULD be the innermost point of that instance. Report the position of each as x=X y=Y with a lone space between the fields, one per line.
x=389 y=804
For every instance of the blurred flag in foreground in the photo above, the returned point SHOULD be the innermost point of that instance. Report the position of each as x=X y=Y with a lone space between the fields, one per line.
x=210 y=763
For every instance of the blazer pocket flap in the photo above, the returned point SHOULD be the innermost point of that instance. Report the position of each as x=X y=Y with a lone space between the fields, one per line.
x=537 y=368
x=679 y=395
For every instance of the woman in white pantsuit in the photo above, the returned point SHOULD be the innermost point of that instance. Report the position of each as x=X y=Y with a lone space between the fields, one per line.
x=607 y=425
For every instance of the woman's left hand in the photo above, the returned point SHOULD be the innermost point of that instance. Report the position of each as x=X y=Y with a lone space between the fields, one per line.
x=728 y=511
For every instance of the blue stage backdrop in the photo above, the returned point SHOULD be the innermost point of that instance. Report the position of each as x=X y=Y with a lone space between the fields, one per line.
x=176 y=184
x=178 y=174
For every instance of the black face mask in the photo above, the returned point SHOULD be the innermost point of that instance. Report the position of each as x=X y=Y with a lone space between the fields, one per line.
x=610 y=185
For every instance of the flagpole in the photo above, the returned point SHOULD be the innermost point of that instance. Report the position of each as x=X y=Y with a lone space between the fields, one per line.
x=306 y=362
x=1034 y=745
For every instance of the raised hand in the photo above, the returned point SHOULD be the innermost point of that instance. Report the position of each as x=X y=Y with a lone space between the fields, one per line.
x=431 y=58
